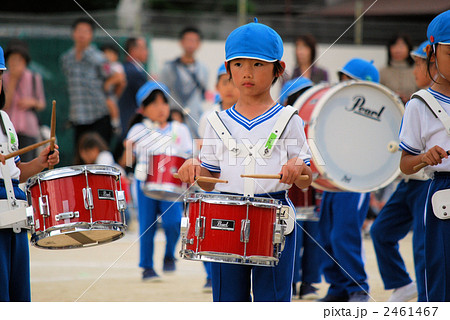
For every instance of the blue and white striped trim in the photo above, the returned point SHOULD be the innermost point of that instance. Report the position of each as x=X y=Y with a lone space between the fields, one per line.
x=210 y=167
x=439 y=96
x=409 y=149
x=17 y=159
x=250 y=124
x=307 y=162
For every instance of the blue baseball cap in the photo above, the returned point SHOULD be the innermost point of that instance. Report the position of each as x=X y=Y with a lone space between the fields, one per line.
x=254 y=41
x=439 y=29
x=148 y=88
x=421 y=51
x=222 y=70
x=361 y=69
x=294 y=86
x=2 y=60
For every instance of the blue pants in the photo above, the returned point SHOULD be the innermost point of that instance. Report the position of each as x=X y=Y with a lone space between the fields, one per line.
x=307 y=262
x=149 y=209
x=341 y=220
x=404 y=209
x=14 y=258
x=233 y=282
x=437 y=246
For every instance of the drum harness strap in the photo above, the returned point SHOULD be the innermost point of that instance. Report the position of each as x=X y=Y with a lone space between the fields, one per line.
x=434 y=106
x=13 y=212
x=251 y=153
x=440 y=199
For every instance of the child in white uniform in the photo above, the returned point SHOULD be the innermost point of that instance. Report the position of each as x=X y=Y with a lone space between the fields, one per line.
x=253 y=60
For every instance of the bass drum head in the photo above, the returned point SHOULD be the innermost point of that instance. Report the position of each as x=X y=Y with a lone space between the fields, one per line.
x=350 y=131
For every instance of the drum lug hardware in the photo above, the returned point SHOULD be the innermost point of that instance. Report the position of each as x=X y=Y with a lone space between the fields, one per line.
x=121 y=201
x=43 y=206
x=88 y=198
x=184 y=225
x=278 y=234
x=245 y=230
x=200 y=227
x=67 y=215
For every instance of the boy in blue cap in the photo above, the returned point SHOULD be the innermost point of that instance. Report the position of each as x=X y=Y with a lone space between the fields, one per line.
x=424 y=138
x=253 y=60
x=403 y=211
x=341 y=219
x=14 y=255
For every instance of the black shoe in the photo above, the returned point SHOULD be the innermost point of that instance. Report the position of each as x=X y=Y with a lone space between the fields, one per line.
x=294 y=289
x=307 y=291
x=358 y=296
x=150 y=275
x=208 y=286
x=333 y=298
x=169 y=265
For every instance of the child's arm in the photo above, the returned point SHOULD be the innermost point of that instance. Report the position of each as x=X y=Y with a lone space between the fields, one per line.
x=44 y=160
x=191 y=168
x=292 y=171
x=433 y=157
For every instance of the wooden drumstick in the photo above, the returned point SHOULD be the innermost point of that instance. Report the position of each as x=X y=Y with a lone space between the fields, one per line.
x=53 y=130
x=270 y=176
x=27 y=149
x=204 y=179
x=422 y=165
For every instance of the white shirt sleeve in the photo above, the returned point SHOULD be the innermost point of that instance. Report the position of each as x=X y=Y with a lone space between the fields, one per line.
x=209 y=153
x=295 y=140
x=411 y=129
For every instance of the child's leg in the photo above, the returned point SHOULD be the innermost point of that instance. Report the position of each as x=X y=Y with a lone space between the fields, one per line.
x=392 y=224
x=349 y=212
x=231 y=282
x=147 y=227
x=275 y=283
x=437 y=259
x=171 y=213
x=418 y=202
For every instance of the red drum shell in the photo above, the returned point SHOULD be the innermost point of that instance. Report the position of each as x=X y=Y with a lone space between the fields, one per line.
x=221 y=238
x=160 y=183
x=64 y=194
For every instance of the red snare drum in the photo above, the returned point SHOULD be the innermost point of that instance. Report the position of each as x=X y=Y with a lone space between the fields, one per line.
x=161 y=184
x=76 y=206
x=306 y=202
x=232 y=229
x=351 y=129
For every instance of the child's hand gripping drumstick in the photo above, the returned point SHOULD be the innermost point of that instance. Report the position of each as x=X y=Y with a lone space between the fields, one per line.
x=432 y=157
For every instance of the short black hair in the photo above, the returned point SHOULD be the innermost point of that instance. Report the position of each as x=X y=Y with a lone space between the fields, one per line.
x=407 y=39
x=190 y=29
x=110 y=46
x=20 y=47
x=83 y=20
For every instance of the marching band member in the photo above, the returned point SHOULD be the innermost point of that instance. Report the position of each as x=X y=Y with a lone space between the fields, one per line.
x=253 y=61
x=14 y=253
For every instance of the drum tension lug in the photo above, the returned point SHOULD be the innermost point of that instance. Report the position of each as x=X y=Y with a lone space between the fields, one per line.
x=245 y=230
x=43 y=206
x=88 y=198
x=200 y=227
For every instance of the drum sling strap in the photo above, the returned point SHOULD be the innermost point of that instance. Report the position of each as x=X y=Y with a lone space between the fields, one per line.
x=13 y=212
x=440 y=200
x=251 y=153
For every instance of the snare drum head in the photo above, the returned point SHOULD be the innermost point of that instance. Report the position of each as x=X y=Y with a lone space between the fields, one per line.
x=349 y=133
